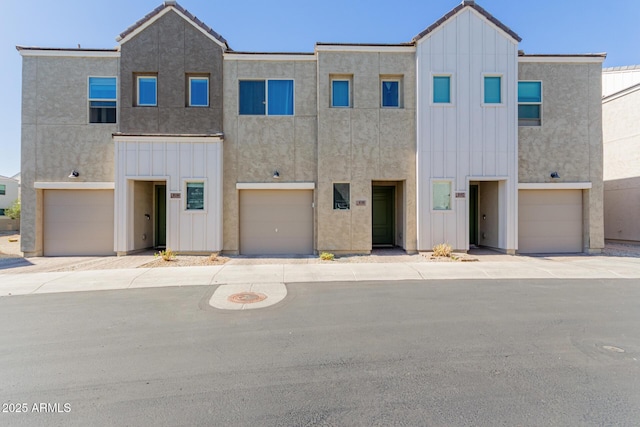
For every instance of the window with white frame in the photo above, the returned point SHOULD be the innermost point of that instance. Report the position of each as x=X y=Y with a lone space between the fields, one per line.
x=195 y=196
x=102 y=99
x=529 y=103
x=341 y=91
x=146 y=90
x=441 y=195
x=492 y=89
x=442 y=89
x=341 y=196
x=198 y=91
x=272 y=97
x=390 y=92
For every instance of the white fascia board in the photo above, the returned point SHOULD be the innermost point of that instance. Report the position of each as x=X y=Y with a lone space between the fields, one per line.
x=160 y=15
x=71 y=53
x=562 y=59
x=365 y=48
x=268 y=57
x=554 y=186
x=275 y=185
x=160 y=138
x=74 y=185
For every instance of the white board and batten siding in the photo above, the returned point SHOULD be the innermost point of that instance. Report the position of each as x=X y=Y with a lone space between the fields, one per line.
x=466 y=141
x=175 y=160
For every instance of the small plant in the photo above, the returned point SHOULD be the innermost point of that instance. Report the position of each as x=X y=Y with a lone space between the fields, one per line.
x=13 y=212
x=327 y=256
x=442 y=250
x=167 y=255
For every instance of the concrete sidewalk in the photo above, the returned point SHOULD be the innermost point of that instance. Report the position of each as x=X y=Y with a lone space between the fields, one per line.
x=581 y=267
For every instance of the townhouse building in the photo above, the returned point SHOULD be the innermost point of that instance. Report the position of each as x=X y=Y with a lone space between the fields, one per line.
x=174 y=139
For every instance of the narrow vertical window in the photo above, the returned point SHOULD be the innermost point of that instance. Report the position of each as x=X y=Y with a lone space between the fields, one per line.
x=391 y=93
x=341 y=196
x=198 y=91
x=195 y=196
x=493 y=90
x=102 y=99
x=147 y=91
x=441 y=89
x=252 y=97
x=340 y=93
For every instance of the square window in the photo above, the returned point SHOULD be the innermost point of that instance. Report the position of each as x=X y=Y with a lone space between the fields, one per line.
x=493 y=90
x=340 y=93
x=442 y=89
x=147 y=91
x=391 y=93
x=441 y=195
x=341 y=196
x=280 y=100
x=195 y=196
x=198 y=91
x=102 y=99
x=530 y=103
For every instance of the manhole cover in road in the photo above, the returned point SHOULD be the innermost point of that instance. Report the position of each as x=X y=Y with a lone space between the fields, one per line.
x=247 y=297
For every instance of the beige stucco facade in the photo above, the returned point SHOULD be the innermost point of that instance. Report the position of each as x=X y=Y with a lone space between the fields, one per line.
x=364 y=145
x=569 y=141
x=56 y=135
x=621 y=129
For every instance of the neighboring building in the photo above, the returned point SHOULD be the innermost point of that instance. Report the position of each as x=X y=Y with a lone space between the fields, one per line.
x=9 y=192
x=173 y=139
x=621 y=130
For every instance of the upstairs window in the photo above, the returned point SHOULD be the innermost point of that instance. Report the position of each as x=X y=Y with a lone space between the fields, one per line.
x=492 y=89
x=530 y=103
x=442 y=89
x=198 y=91
x=390 y=93
x=340 y=92
x=102 y=99
x=266 y=97
x=3 y=189
x=147 y=91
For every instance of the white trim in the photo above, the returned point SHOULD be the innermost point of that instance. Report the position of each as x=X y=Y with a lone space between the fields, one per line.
x=191 y=78
x=451 y=194
x=275 y=185
x=160 y=14
x=205 y=188
x=74 y=185
x=554 y=186
x=71 y=53
x=365 y=48
x=565 y=59
x=486 y=178
x=145 y=76
x=341 y=78
x=159 y=138
x=269 y=57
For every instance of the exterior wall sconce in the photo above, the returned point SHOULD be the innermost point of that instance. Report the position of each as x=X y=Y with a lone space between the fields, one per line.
x=74 y=174
x=555 y=175
x=276 y=174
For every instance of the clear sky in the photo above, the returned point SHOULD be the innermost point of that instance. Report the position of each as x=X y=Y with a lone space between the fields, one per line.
x=546 y=26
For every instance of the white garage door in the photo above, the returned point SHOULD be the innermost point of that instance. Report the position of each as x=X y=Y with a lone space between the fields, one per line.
x=78 y=222
x=276 y=222
x=550 y=221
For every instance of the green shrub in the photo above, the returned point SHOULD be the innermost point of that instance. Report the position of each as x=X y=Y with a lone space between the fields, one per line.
x=13 y=212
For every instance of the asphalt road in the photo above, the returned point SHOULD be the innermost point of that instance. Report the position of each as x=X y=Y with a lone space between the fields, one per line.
x=512 y=352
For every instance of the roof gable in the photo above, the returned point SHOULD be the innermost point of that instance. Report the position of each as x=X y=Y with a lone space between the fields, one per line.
x=163 y=9
x=471 y=4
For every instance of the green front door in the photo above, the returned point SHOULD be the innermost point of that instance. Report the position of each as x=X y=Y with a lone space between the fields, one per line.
x=382 y=209
x=161 y=216
x=473 y=215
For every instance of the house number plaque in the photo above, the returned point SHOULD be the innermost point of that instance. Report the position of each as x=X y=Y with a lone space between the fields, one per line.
x=175 y=195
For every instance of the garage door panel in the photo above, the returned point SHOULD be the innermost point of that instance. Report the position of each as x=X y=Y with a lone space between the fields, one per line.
x=549 y=221
x=78 y=222
x=276 y=222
